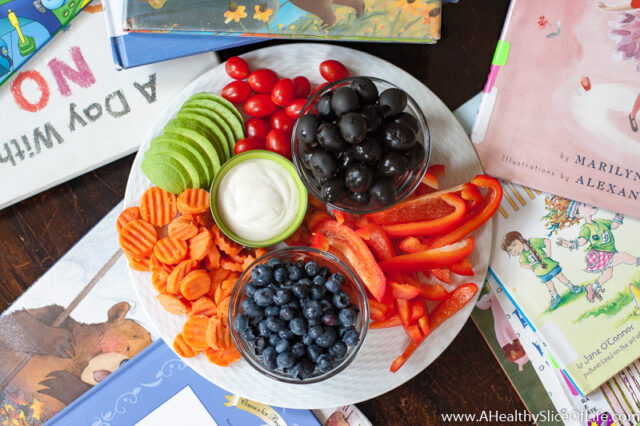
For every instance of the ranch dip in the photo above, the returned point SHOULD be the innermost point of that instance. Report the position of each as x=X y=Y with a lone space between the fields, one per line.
x=258 y=199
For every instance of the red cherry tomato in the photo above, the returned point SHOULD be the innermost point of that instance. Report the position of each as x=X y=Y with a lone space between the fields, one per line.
x=333 y=70
x=294 y=107
x=281 y=121
x=282 y=92
x=257 y=127
x=247 y=144
x=237 y=91
x=279 y=142
x=237 y=68
x=259 y=105
x=262 y=80
x=302 y=87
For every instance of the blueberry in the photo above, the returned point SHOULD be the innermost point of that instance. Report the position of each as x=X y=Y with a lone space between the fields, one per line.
x=240 y=323
x=341 y=300
x=285 y=360
x=347 y=316
x=301 y=291
x=274 y=261
x=287 y=313
x=350 y=337
x=259 y=344
x=326 y=305
x=312 y=268
x=325 y=363
x=307 y=340
x=314 y=351
x=318 y=280
x=318 y=291
x=313 y=321
x=263 y=329
x=300 y=264
x=339 y=277
x=250 y=290
x=248 y=334
x=304 y=281
x=282 y=346
x=293 y=304
x=261 y=274
x=302 y=369
x=338 y=350
x=269 y=357
x=272 y=311
x=315 y=331
x=324 y=272
x=263 y=297
x=274 y=339
x=298 y=350
x=276 y=324
x=327 y=337
x=282 y=296
x=298 y=326
x=313 y=309
x=330 y=319
x=251 y=308
x=280 y=275
x=256 y=319
x=285 y=333
x=332 y=285
x=295 y=273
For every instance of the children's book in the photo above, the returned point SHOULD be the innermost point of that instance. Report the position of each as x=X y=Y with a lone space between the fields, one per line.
x=409 y=21
x=27 y=25
x=69 y=111
x=135 y=49
x=561 y=105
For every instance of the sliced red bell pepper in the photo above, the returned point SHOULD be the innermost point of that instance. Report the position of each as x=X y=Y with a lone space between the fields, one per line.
x=470 y=194
x=477 y=216
x=404 y=311
x=430 y=180
x=436 y=169
x=462 y=268
x=362 y=222
x=319 y=241
x=424 y=325
x=399 y=362
x=378 y=240
x=422 y=208
x=433 y=226
x=452 y=304
x=379 y=311
x=314 y=202
x=417 y=309
x=344 y=218
x=413 y=331
x=346 y=242
x=403 y=291
x=392 y=321
x=314 y=218
x=429 y=291
x=443 y=274
x=412 y=245
x=429 y=259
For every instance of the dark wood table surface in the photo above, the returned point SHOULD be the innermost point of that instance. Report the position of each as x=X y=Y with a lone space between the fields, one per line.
x=466 y=378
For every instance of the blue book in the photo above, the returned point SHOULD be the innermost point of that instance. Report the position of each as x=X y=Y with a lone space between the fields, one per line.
x=157 y=387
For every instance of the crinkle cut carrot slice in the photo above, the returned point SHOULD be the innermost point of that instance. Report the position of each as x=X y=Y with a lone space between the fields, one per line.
x=223 y=358
x=193 y=201
x=203 y=306
x=182 y=348
x=223 y=307
x=183 y=228
x=127 y=215
x=224 y=289
x=159 y=281
x=224 y=243
x=156 y=266
x=195 y=284
x=137 y=238
x=200 y=244
x=173 y=304
x=178 y=273
x=158 y=207
x=204 y=219
x=230 y=265
x=195 y=331
x=212 y=258
x=218 y=333
x=141 y=265
x=170 y=250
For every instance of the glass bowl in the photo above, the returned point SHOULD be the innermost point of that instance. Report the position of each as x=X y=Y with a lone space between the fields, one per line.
x=405 y=184
x=352 y=286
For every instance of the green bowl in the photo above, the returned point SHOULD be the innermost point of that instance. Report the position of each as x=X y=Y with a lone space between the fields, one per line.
x=255 y=155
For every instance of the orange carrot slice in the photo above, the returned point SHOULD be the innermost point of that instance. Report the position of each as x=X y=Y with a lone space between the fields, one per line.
x=183 y=228
x=212 y=258
x=156 y=266
x=195 y=331
x=178 y=273
x=182 y=348
x=259 y=252
x=230 y=265
x=127 y=215
x=170 y=250
x=217 y=276
x=224 y=243
x=137 y=238
x=204 y=219
x=157 y=206
x=222 y=358
x=200 y=244
x=218 y=333
x=141 y=265
x=203 y=306
x=224 y=289
x=159 y=281
x=193 y=201
x=195 y=284
x=223 y=307
x=173 y=304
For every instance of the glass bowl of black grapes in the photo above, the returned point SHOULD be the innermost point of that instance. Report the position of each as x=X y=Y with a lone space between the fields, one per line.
x=361 y=144
x=298 y=315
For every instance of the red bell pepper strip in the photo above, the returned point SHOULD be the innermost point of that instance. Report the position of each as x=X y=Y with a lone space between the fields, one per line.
x=404 y=312
x=470 y=194
x=399 y=362
x=477 y=216
x=403 y=291
x=417 y=309
x=429 y=259
x=314 y=202
x=378 y=240
x=412 y=245
x=314 y=218
x=344 y=218
x=346 y=242
x=424 y=325
x=413 y=331
x=452 y=304
x=462 y=268
x=436 y=169
x=442 y=274
x=319 y=241
x=392 y=321
x=430 y=180
x=425 y=207
x=379 y=311
x=433 y=226
x=429 y=291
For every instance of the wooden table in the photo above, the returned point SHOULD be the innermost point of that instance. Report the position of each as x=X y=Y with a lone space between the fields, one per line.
x=466 y=378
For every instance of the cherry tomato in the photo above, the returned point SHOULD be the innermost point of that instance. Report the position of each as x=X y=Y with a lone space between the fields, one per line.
x=237 y=68
x=281 y=121
x=247 y=144
x=257 y=127
x=294 y=107
x=279 y=142
x=237 y=91
x=302 y=87
x=262 y=80
x=259 y=105
x=333 y=70
x=282 y=92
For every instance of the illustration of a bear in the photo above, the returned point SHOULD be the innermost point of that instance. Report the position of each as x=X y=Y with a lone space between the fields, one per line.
x=67 y=360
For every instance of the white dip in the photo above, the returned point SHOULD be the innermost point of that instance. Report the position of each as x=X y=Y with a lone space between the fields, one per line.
x=258 y=199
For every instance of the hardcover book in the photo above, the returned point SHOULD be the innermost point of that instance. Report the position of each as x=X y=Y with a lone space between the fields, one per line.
x=561 y=105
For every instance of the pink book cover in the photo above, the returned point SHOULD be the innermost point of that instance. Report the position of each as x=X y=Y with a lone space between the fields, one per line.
x=560 y=110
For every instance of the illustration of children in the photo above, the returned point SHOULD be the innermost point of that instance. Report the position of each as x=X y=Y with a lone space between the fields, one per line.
x=535 y=254
x=602 y=254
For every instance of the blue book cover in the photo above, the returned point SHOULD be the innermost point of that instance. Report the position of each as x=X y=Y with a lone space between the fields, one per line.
x=157 y=387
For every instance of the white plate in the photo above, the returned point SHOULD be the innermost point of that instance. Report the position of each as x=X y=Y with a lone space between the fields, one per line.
x=368 y=376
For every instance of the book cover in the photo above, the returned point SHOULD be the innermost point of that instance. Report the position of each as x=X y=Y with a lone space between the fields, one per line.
x=136 y=49
x=416 y=21
x=561 y=105
x=27 y=25
x=69 y=111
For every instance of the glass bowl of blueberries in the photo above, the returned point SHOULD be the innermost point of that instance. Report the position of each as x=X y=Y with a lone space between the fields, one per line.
x=361 y=144
x=298 y=315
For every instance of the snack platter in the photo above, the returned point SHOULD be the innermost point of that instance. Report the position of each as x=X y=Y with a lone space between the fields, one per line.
x=368 y=375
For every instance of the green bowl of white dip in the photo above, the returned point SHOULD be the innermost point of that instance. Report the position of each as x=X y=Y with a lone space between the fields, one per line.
x=258 y=199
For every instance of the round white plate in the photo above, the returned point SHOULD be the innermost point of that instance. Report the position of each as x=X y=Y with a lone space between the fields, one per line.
x=368 y=376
